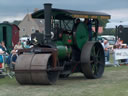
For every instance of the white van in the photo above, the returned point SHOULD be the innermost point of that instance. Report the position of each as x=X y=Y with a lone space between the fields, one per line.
x=22 y=39
x=109 y=37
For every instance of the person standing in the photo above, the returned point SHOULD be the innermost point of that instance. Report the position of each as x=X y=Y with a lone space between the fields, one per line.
x=76 y=24
x=119 y=42
x=116 y=62
x=2 y=46
x=105 y=45
x=88 y=25
x=3 y=52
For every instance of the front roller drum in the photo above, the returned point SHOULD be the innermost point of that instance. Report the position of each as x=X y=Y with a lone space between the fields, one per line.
x=33 y=69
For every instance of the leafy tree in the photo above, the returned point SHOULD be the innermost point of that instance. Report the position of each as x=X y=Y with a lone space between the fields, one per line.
x=109 y=31
x=103 y=22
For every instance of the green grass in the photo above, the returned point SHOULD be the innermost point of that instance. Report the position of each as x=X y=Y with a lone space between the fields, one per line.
x=113 y=83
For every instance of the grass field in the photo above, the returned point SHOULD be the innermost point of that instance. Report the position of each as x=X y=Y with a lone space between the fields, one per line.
x=113 y=83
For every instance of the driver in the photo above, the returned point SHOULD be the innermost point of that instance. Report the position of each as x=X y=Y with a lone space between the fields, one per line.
x=76 y=24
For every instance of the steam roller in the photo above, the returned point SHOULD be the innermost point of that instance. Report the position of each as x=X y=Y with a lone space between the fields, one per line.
x=64 y=48
x=35 y=69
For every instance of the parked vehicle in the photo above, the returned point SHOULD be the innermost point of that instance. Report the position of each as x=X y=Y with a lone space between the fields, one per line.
x=111 y=39
x=22 y=39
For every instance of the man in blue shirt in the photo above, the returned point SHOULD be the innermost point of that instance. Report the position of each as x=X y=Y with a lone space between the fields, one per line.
x=105 y=45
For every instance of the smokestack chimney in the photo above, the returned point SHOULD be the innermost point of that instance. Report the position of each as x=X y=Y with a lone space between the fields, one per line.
x=47 y=17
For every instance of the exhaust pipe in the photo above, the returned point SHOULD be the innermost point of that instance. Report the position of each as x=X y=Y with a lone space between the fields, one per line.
x=47 y=17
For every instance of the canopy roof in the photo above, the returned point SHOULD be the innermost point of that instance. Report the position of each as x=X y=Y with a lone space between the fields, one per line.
x=71 y=14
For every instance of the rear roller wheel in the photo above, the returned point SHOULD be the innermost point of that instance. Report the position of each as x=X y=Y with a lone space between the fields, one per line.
x=32 y=69
x=92 y=60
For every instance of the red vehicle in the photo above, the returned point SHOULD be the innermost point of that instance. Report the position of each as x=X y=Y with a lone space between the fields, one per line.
x=9 y=33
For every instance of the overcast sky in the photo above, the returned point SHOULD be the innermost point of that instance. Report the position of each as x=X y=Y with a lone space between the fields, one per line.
x=16 y=9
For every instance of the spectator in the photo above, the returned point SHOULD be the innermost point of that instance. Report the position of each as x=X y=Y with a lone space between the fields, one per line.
x=27 y=46
x=28 y=42
x=1 y=58
x=116 y=62
x=4 y=49
x=1 y=51
x=105 y=45
x=119 y=42
x=13 y=56
x=18 y=46
x=2 y=46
